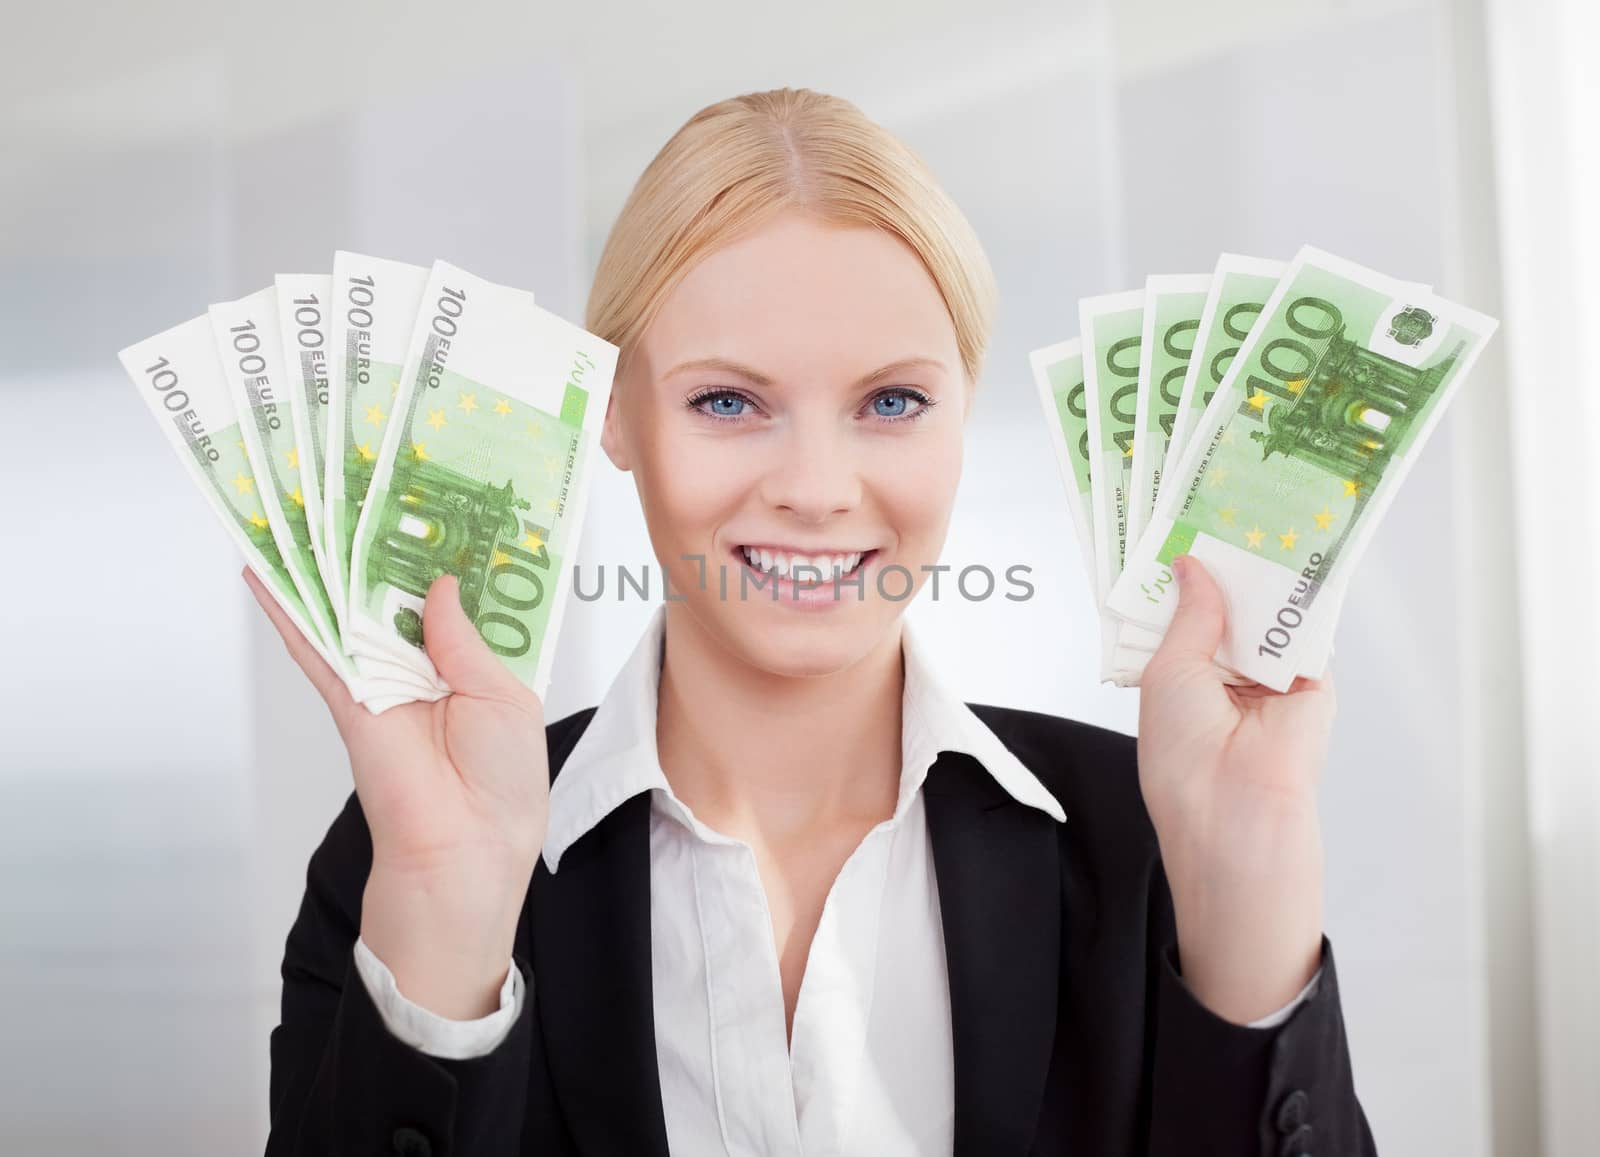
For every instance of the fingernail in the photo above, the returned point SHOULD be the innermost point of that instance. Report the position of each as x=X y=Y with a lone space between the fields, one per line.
x=1180 y=567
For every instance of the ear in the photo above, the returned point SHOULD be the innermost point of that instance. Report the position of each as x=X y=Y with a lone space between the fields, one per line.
x=611 y=439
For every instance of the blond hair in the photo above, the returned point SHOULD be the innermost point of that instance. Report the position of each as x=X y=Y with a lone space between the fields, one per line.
x=738 y=163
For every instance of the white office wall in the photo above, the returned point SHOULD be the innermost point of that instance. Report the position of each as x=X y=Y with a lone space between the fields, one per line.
x=1545 y=104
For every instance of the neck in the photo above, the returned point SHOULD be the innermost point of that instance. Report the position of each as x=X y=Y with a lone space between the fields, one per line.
x=778 y=758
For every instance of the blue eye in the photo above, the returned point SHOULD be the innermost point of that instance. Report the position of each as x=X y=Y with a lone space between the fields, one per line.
x=726 y=405
x=889 y=405
x=897 y=397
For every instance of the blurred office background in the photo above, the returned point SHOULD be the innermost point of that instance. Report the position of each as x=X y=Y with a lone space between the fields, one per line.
x=164 y=771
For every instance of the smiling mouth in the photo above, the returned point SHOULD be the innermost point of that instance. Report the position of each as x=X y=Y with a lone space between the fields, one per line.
x=813 y=570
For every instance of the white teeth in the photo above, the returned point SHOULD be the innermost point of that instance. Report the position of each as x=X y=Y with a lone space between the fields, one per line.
x=828 y=565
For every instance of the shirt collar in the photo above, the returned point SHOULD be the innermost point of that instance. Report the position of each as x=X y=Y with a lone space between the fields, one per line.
x=615 y=758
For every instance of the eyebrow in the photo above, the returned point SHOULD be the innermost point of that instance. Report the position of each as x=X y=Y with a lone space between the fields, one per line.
x=760 y=379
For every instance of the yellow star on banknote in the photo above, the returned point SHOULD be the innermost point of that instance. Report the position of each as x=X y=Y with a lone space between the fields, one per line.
x=1325 y=519
x=420 y=449
x=1219 y=476
x=243 y=483
x=293 y=455
x=500 y=558
x=535 y=430
x=257 y=521
x=1254 y=537
x=1297 y=386
x=552 y=463
x=532 y=541
x=364 y=452
x=1288 y=540
x=375 y=415
x=502 y=407
x=1227 y=514
x=1128 y=453
x=1351 y=489
x=1258 y=399
x=296 y=497
x=468 y=403
x=436 y=418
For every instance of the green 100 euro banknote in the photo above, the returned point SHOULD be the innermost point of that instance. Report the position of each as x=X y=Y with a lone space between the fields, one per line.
x=302 y=301
x=1111 y=329
x=1239 y=288
x=179 y=373
x=484 y=472
x=1172 y=308
x=1058 y=380
x=1316 y=422
x=369 y=326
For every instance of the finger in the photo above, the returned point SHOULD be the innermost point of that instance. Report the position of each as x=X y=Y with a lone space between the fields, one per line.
x=1201 y=619
x=1321 y=686
x=323 y=677
x=1301 y=684
x=1315 y=684
x=1324 y=680
x=458 y=652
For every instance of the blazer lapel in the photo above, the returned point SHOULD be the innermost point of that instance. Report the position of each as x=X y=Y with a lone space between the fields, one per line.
x=995 y=861
x=591 y=945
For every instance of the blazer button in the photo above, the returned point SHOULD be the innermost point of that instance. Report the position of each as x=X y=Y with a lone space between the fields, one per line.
x=1293 y=1111
x=409 y=1142
x=1297 y=1144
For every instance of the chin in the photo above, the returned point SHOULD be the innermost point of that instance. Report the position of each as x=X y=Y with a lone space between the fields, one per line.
x=804 y=649
x=800 y=643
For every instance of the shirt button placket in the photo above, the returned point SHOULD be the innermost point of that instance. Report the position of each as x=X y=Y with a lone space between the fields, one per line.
x=752 y=1052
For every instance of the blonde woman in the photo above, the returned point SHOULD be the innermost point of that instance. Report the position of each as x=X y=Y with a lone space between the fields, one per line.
x=782 y=892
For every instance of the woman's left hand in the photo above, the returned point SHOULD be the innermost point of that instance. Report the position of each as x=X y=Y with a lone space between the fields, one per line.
x=1229 y=777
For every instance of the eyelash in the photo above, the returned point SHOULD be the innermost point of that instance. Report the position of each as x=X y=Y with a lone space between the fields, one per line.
x=925 y=403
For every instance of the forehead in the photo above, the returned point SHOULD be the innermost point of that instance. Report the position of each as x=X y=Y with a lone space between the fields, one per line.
x=808 y=295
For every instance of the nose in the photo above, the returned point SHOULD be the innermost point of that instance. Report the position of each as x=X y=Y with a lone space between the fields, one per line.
x=813 y=473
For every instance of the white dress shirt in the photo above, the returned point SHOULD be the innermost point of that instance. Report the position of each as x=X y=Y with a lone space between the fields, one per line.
x=870 y=1070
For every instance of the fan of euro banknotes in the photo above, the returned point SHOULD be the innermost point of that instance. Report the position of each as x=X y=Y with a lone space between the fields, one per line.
x=363 y=432
x=1259 y=418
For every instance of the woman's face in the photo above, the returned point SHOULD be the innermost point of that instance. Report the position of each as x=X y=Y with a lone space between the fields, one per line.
x=800 y=392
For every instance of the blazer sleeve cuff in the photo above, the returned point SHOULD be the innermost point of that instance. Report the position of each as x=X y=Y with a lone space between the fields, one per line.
x=1274 y=1019
x=1226 y=1088
x=388 y=1088
x=434 y=1034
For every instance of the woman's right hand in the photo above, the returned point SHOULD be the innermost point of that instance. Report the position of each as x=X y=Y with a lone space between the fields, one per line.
x=456 y=795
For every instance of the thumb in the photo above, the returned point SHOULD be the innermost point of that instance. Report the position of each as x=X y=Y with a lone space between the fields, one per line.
x=458 y=653
x=1201 y=619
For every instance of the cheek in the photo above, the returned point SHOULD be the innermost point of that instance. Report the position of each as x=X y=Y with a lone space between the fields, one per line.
x=918 y=489
x=690 y=485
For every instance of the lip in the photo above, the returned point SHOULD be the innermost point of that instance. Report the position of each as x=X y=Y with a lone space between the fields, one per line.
x=808 y=551
x=817 y=596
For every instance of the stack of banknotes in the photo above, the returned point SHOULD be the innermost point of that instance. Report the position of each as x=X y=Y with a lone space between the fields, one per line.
x=362 y=433
x=1259 y=418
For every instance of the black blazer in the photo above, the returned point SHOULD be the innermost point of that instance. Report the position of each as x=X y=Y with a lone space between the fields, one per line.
x=1072 y=1031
